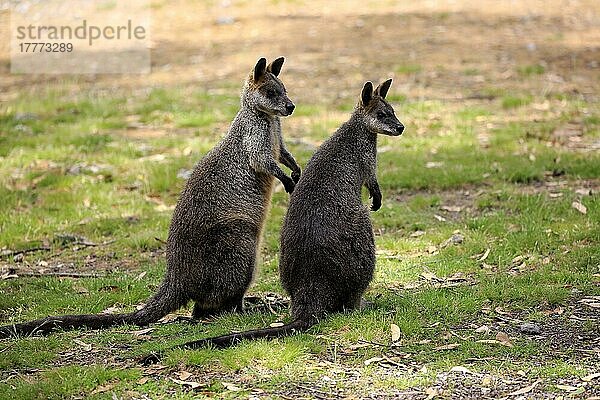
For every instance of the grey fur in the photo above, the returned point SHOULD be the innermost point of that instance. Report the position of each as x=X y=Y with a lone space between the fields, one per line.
x=327 y=248
x=217 y=224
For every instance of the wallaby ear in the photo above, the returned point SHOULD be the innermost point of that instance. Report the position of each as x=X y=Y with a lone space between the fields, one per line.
x=260 y=68
x=383 y=88
x=367 y=93
x=275 y=66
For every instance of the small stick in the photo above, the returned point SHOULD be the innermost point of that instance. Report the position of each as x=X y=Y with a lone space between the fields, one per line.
x=61 y=274
x=8 y=253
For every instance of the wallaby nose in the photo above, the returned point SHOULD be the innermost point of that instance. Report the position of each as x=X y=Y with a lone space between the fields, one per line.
x=289 y=107
x=400 y=129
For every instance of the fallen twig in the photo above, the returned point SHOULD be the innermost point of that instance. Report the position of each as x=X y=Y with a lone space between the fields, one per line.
x=61 y=274
x=317 y=393
x=373 y=343
x=12 y=253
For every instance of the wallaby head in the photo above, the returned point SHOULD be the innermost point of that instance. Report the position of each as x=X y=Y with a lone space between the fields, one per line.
x=376 y=112
x=264 y=91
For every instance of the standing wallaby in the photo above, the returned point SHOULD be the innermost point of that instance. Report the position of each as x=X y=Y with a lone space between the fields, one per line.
x=327 y=247
x=216 y=228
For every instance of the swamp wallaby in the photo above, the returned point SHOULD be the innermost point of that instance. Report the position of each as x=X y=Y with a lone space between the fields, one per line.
x=327 y=247
x=216 y=228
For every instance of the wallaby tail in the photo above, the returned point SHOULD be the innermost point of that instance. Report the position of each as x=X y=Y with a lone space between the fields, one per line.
x=267 y=333
x=163 y=302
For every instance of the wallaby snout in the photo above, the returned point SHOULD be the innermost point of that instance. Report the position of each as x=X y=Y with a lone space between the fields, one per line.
x=289 y=108
x=399 y=129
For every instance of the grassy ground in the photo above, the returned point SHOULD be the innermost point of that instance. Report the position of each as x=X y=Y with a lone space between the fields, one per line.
x=478 y=232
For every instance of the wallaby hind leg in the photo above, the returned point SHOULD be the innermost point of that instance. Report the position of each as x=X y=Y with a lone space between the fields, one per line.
x=235 y=304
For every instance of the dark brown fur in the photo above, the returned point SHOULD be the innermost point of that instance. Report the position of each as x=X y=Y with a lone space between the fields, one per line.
x=217 y=225
x=327 y=247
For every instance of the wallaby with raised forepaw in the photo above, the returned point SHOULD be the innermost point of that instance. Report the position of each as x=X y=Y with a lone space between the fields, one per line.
x=327 y=248
x=216 y=228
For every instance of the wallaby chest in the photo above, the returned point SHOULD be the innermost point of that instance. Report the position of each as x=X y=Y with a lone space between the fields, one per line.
x=275 y=137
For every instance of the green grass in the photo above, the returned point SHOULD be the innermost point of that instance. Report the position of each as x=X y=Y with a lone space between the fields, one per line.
x=408 y=69
x=510 y=101
x=529 y=70
x=68 y=165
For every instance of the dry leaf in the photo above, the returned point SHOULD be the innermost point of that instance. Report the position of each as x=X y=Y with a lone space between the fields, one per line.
x=451 y=208
x=584 y=191
x=448 y=346
x=417 y=234
x=439 y=218
x=142 y=331
x=103 y=388
x=591 y=301
x=168 y=318
x=231 y=386
x=395 y=332
x=373 y=360
x=486 y=381
x=86 y=347
x=568 y=388
x=484 y=255
x=517 y=260
x=489 y=341
x=143 y=380
x=434 y=164
x=184 y=375
x=429 y=276
x=110 y=310
x=591 y=377
x=500 y=310
x=81 y=290
x=579 y=207
x=524 y=390
x=461 y=369
x=503 y=338
x=276 y=324
x=140 y=276
x=431 y=392
x=483 y=329
x=163 y=208
x=190 y=384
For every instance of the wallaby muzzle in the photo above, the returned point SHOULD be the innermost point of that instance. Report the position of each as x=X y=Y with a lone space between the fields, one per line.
x=289 y=108
x=399 y=129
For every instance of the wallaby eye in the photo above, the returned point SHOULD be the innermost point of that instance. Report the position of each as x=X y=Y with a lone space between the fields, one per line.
x=271 y=92
x=381 y=114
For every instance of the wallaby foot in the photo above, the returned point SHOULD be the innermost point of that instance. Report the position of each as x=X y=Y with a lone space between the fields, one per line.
x=358 y=304
x=365 y=304
x=152 y=358
x=234 y=305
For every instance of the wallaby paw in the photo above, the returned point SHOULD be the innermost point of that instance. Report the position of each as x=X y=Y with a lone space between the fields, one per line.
x=289 y=185
x=376 y=205
x=366 y=304
x=152 y=358
x=296 y=176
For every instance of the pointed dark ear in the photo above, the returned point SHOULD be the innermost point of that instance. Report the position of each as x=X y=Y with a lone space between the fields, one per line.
x=275 y=66
x=260 y=68
x=383 y=88
x=367 y=93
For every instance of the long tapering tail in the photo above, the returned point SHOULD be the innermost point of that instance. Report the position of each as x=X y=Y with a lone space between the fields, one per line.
x=163 y=302
x=233 y=338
